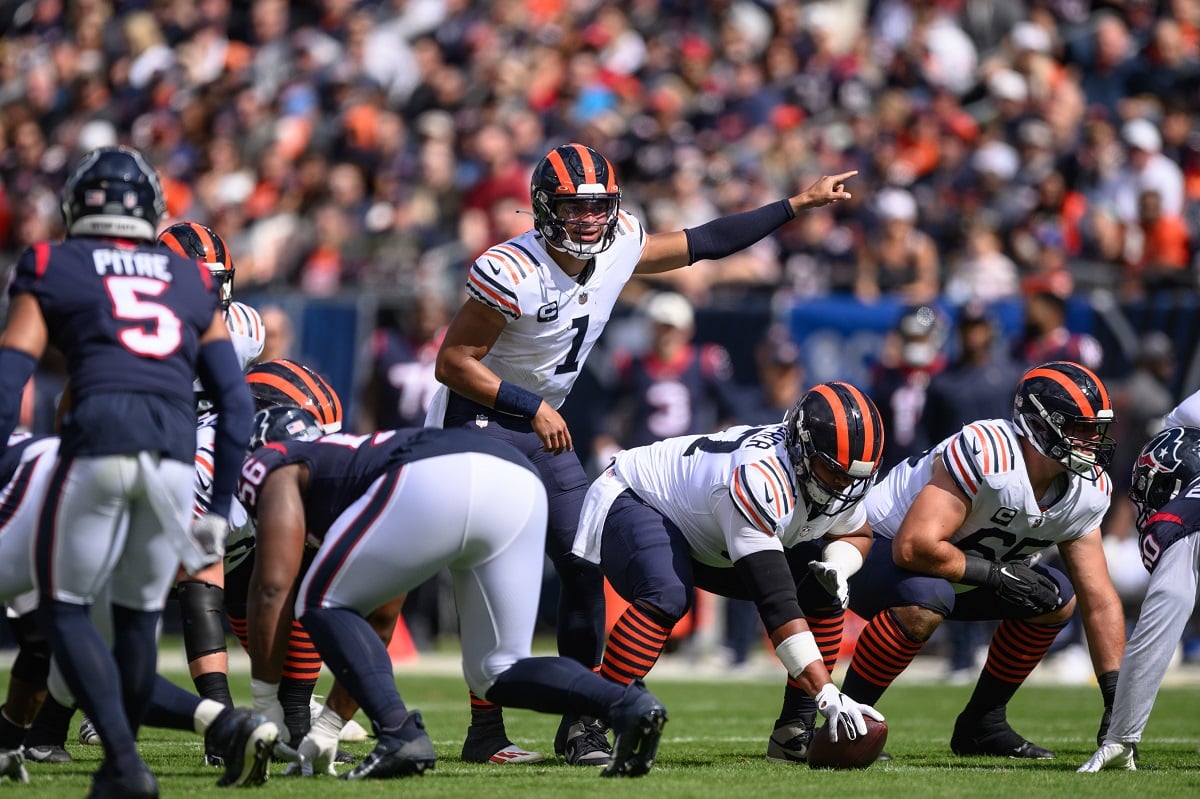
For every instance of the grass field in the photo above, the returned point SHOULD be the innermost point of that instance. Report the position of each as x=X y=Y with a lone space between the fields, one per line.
x=713 y=747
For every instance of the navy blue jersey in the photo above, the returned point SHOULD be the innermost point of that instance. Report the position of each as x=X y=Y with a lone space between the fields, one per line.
x=341 y=467
x=128 y=318
x=1178 y=519
x=690 y=394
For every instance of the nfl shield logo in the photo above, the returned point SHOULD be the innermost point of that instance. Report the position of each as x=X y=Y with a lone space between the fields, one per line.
x=583 y=298
x=130 y=200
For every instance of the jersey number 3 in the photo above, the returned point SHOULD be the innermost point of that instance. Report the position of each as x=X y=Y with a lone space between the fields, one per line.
x=157 y=331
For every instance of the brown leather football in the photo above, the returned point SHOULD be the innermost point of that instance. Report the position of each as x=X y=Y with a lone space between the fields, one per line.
x=847 y=753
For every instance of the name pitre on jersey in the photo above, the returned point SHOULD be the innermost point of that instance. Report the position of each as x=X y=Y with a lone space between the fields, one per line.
x=1006 y=521
x=731 y=493
x=553 y=319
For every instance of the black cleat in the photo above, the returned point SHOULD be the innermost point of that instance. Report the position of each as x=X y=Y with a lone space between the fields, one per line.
x=48 y=753
x=790 y=739
x=402 y=752
x=138 y=785
x=490 y=744
x=244 y=740
x=993 y=736
x=637 y=719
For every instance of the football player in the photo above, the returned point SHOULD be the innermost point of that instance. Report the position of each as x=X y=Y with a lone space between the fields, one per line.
x=241 y=739
x=957 y=534
x=281 y=383
x=772 y=514
x=385 y=512
x=201 y=596
x=136 y=323
x=1164 y=490
x=536 y=305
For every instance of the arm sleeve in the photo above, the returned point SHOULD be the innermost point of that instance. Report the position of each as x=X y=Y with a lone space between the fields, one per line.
x=770 y=584
x=729 y=234
x=222 y=379
x=16 y=367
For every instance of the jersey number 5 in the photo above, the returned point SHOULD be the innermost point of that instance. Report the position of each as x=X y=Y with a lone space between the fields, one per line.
x=157 y=332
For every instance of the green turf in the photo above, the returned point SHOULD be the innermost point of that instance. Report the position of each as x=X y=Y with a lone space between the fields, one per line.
x=713 y=747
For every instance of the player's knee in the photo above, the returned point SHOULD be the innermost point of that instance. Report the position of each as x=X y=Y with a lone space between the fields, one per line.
x=917 y=622
x=201 y=607
x=666 y=604
x=1060 y=616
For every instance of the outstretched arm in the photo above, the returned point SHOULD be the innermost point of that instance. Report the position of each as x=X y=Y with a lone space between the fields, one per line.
x=729 y=234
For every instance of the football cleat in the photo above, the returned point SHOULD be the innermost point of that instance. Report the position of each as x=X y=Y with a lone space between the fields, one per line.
x=138 y=785
x=482 y=748
x=789 y=741
x=637 y=719
x=1111 y=755
x=245 y=741
x=992 y=735
x=88 y=735
x=12 y=765
x=584 y=742
x=402 y=752
x=47 y=753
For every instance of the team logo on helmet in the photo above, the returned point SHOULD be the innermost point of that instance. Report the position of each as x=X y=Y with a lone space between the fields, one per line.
x=834 y=438
x=575 y=200
x=282 y=423
x=194 y=240
x=1169 y=463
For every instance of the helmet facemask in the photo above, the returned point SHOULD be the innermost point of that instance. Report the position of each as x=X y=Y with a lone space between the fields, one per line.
x=1081 y=444
x=223 y=279
x=827 y=488
x=561 y=219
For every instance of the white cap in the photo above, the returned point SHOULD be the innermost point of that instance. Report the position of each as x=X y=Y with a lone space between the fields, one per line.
x=671 y=309
x=1142 y=134
x=892 y=203
x=996 y=158
x=1027 y=35
x=1008 y=85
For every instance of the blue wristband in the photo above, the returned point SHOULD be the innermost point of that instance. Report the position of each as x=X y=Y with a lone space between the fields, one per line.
x=517 y=401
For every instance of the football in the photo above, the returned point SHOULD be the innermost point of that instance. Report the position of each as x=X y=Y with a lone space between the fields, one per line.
x=846 y=753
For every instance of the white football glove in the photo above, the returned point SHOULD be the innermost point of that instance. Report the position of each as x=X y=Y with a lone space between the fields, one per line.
x=1112 y=754
x=836 y=707
x=266 y=701
x=205 y=543
x=832 y=580
x=318 y=750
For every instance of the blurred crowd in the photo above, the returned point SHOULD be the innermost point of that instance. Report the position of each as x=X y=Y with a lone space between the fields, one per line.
x=343 y=144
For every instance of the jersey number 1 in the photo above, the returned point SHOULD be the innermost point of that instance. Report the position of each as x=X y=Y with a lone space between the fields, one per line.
x=580 y=325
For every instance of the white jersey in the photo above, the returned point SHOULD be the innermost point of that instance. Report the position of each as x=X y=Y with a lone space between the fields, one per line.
x=1006 y=522
x=731 y=493
x=553 y=319
x=20 y=506
x=1185 y=413
x=240 y=527
x=248 y=334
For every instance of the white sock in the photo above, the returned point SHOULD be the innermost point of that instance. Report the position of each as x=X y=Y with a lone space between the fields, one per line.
x=206 y=713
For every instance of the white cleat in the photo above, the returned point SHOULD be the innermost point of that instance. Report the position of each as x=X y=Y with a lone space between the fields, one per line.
x=352 y=731
x=1110 y=755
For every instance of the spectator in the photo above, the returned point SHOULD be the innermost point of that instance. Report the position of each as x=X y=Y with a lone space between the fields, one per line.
x=280 y=338
x=912 y=355
x=897 y=260
x=1046 y=337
